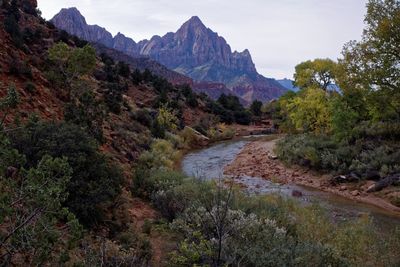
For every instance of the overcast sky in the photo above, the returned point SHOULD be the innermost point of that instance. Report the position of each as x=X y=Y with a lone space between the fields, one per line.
x=279 y=33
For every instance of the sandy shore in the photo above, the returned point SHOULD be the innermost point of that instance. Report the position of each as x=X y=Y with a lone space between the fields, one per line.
x=256 y=160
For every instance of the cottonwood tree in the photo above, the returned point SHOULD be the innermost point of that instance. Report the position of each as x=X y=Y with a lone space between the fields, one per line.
x=319 y=73
x=371 y=67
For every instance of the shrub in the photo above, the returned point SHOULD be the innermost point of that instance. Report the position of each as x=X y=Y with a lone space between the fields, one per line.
x=87 y=112
x=95 y=181
x=162 y=156
x=326 y=153
x=20 y=68
x=144 y=117
x=191 y=97
x=146 y=228
x=229 y=110
x=189 y=137
x=30 y=87
x=205 y=123
x=106 y=252
x=38 y=213
x=136 y=77
x=220 y=132
x=123 y=69
x=184 y=192
x=255 y=108
x=113 y=97
x=72 y=63
x=166 y=120
x=242 y=117
x=12 y=27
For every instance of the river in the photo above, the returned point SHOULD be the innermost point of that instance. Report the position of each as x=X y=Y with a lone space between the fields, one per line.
x=209 y=163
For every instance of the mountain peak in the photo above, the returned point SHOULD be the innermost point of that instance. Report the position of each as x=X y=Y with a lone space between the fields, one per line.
x=195 y=19
x=71 y=11
x=194 y=22
x=72 y=14
x=194 y=50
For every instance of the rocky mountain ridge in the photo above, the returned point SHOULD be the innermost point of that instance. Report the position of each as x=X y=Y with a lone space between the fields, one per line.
x=194 y=50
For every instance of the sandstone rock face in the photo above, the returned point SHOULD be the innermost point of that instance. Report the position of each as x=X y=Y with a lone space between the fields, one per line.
x=74 y=23
x=193 y=46
x=194 y=50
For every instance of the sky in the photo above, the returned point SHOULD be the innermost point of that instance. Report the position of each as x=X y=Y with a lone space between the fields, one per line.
x=279 y=33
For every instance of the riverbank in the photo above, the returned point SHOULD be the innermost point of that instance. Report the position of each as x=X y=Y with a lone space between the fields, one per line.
x=257 y=160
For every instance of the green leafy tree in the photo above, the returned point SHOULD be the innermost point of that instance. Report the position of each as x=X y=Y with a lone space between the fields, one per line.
x=310 y=111
x=319 y=73
x=9 y=102
x=136 y=77
x=371 y=66
x=11 y=23
x=167 y=119
x=256 y=108
x=72 y=63
x=32 y=211
x=95 y=182
x=86 y=111
x=123 y=69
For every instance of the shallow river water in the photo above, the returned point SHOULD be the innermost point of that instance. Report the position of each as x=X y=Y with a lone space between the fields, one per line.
x=209 y=163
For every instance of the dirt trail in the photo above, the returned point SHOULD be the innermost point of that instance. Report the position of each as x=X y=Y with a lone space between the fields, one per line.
x=257 y=160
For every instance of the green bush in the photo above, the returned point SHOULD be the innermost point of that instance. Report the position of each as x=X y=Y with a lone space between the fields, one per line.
x=123 y=69
x=20 y=68
x=143 y=116
x=229 y=110
x=113 y=97
x=87 y=112
x=30 y=87
x=327 y=154
x=95 y=181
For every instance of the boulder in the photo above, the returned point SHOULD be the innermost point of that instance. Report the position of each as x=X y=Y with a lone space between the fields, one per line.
x=382 y=184
x=351 y=178
x=200 y=139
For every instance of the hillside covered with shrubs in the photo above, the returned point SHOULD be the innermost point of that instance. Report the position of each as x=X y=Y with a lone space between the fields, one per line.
x=74 y=122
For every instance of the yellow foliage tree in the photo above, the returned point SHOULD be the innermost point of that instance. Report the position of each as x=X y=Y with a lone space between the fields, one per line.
x=310 y=111
x=167 y=119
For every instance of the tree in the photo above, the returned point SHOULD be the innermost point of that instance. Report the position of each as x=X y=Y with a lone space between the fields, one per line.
x=136 y=77
x=113 y=96
x=32 y=212
x=72 y=63
x=123 y=69
x=255 y=108
x=9 y=102
x=87 y=112
x=167 y=119
x=95 y=182
x=319 y=73
x=310 y=111
x=11 y=23
x=371 y=66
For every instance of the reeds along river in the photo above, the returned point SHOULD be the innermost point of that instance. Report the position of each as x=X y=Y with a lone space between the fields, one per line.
x=209 y=163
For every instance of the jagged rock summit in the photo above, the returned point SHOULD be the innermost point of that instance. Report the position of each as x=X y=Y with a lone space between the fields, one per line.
x=194 y=50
